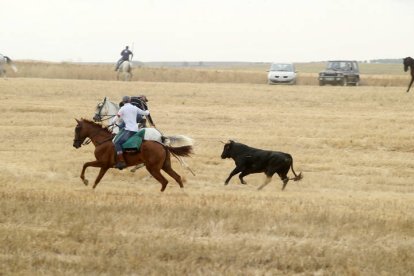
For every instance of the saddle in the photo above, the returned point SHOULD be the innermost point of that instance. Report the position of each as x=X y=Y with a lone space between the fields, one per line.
x=133 y=144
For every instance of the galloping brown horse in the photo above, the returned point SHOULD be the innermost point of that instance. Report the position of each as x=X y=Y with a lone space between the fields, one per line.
x=409 y=62
x=154 y=155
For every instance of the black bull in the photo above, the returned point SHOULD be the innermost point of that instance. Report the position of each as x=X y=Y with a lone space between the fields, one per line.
x=250 y=160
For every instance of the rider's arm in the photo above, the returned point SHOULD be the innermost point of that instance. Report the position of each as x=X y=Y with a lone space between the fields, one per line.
x=143 y=112
x=117 y=120
x=120 y=112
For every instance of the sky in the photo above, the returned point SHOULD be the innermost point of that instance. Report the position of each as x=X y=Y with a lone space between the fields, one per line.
x=206 y=30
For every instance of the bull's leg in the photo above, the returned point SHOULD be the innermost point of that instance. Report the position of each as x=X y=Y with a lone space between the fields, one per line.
x=243 y=174
x=234 y=172
x=285 y=182
x=267 y=181
x=95 y=163
x=102 y=172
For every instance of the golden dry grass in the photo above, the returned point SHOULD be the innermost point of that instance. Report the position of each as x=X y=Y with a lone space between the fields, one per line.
x=352 y=214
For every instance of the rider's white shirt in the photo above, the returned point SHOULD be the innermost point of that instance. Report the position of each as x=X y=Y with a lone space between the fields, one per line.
x=128 y=113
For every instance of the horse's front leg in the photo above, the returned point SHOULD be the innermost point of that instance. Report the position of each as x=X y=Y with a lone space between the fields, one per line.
x=95 y=163
x=102 y=172
x=411 y=82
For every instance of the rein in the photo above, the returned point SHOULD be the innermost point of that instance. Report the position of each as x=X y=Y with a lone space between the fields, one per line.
x=96 y=134
x=104 y=117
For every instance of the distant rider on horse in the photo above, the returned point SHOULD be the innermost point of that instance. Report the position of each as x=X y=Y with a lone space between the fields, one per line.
x=128 y=113
x=124 y=57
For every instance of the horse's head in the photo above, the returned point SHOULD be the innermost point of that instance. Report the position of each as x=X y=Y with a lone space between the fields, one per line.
x=79 y=134
x=88 y=129
x=105 y=110
x=408 y=61
x=98 y=111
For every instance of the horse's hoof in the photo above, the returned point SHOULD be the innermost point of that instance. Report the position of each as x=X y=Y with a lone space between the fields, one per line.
x=86 y=182
x=133 y=170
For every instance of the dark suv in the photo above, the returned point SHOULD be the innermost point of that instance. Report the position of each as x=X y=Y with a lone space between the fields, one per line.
x=342 y=72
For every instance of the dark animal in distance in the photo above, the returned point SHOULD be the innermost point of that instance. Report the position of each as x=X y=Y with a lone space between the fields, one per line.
x=251 y=160
x=409 y=62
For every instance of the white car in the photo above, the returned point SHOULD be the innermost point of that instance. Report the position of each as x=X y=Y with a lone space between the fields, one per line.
x=281 y=73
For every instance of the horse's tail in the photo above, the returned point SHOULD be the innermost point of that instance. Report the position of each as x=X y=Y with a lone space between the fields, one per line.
x=179 y=145
x=176 y=141
x=181 y=151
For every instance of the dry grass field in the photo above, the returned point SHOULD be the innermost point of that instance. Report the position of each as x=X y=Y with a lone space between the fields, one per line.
x=352 y=214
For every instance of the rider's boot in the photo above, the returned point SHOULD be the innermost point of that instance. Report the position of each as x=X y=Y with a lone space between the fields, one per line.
x=121 y=162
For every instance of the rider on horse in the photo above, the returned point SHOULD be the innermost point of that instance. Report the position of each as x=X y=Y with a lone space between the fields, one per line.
x=124 y=57
x=141 y=103
x=128 y=113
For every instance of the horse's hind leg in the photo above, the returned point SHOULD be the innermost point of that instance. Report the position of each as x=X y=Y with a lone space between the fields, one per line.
x=157 y=175
x=169 y=170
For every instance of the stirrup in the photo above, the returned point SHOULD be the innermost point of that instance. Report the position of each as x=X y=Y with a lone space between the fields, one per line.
x=120 y=165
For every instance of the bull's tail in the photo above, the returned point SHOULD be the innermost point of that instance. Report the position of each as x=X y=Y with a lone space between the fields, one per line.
x=297 y=176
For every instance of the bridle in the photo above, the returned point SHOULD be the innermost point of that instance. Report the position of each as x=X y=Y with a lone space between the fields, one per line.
x=102 y=118
x=87 y=140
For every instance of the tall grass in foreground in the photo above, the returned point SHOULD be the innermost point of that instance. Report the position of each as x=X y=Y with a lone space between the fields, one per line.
x=371 y=74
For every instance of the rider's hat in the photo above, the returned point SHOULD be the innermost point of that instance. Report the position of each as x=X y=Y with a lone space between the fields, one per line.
x=126 y=99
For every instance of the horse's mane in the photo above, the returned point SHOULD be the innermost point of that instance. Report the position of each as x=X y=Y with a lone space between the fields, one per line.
x=98 y=125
